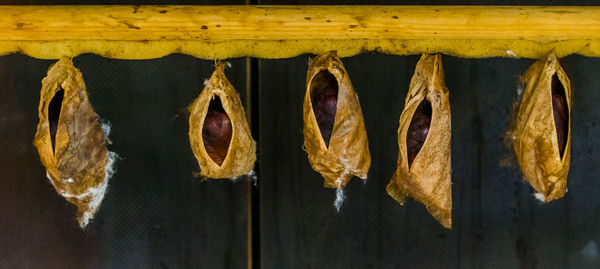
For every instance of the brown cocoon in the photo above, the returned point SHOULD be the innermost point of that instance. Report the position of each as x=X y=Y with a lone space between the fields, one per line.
x=334 y=131
x=424 y=167
x=219 y=134
x=540 y=132
x=70 y=140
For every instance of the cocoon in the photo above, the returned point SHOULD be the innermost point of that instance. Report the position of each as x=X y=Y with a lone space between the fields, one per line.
x=71 y=142
x=335 y=138
x=219 y=134
x=540 y=129
x=423 y=169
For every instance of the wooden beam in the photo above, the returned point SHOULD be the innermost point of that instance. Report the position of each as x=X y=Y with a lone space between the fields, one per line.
x=218 y=32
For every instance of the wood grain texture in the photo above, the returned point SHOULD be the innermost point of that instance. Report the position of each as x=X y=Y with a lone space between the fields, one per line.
x=217 y=32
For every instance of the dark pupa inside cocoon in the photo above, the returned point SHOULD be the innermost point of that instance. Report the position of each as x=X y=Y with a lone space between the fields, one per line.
x=323 y=95
x=54 y=114
x=216 y=131
x=560 y=110
x=418 y=130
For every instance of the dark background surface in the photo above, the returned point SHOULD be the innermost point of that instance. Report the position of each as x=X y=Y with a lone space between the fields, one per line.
x=157 y=215
x=497 y=221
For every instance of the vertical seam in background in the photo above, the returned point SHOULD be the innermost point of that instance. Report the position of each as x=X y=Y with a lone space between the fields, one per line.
x=253 y=197
x=256 y=195
x=249 y=183
x=253 y=194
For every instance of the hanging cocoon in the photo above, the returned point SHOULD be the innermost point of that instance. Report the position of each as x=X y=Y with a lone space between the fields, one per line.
x=540 y=132
x=423 y=170
x=71 y=141
x=219 y=134
x=334 y=131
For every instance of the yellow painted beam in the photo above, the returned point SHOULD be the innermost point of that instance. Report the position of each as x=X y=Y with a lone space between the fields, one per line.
x=218 y=32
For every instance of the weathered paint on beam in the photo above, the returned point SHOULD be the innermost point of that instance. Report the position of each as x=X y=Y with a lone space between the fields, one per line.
x=218 y=32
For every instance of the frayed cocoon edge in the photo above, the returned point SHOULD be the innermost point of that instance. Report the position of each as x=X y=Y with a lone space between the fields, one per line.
x=540 y=197
x=339 y=199
x=251 y=176
x=96 y=194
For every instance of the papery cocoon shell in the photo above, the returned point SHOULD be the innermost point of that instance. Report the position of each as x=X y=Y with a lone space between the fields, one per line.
x=77 y=162
x=424 y=166
x=540 y=128
x=225 y=121
x=347 y=153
